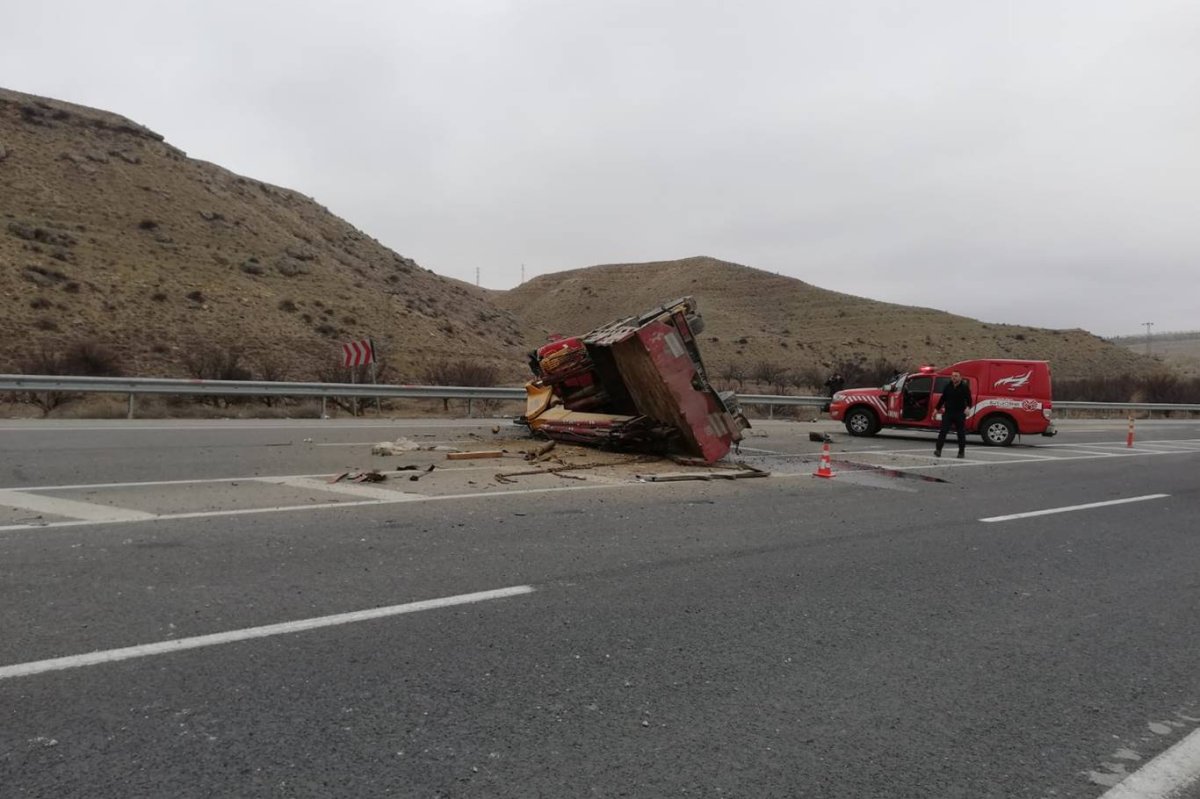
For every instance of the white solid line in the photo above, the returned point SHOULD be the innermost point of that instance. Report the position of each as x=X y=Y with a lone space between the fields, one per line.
x=329 y=505
x=350 y=489
x=148 y=483
x=302 y=625
x=1165 y=776
x=1068 y=508
x=86 y=511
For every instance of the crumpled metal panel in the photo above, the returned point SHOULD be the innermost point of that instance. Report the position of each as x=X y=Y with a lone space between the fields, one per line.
x=650 y=374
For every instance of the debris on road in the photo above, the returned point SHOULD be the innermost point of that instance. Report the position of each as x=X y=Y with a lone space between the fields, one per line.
x=482 y=453
x=357 y=476
x=634 y=384
x=737 y=471
x=541 y=453
x=819 y=437
x=567 y=467
x=395 y=447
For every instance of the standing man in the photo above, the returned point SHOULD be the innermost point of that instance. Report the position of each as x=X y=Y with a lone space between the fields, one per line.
x=953 y=404
x=835 y=383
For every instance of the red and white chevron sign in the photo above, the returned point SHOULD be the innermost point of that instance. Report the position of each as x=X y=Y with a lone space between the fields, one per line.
x=358 y=353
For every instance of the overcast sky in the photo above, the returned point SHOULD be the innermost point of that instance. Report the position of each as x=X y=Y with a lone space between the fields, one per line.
x=1033 y=162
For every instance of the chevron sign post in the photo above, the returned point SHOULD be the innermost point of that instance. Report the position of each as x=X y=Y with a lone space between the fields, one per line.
x=358 y=353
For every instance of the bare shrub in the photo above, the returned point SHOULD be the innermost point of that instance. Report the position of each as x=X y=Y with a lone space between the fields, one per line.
x=80 y=359
x=91 y=359
x=771 y=374
x=217 y=363
x=460 y=373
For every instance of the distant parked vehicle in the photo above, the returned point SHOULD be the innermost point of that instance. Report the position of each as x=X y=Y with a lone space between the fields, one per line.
x=1010 y=397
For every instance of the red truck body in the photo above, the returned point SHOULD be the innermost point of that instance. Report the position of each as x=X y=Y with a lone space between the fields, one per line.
x=1010 y=397
x=637 y=384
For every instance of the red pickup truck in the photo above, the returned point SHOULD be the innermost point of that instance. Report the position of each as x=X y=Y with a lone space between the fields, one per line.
x=1010 y=397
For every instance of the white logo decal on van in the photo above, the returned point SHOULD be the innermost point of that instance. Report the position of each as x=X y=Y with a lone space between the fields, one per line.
x=1014 y=382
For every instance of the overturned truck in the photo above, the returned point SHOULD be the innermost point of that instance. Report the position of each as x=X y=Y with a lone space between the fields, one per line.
x=634 y=384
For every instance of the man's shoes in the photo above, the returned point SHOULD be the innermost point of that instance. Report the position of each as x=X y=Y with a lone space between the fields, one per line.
x=962 y=453
x=937 y=453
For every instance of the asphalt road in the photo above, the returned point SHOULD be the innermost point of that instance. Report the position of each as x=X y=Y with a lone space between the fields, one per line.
x=863 y=636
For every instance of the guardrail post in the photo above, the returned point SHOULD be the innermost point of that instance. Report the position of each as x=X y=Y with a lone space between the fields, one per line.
x=470 y=411
x=771 y=411
x=324 y=415
x=130 y=416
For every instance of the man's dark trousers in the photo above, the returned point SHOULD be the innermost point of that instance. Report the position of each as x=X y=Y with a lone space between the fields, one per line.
x=959 y=422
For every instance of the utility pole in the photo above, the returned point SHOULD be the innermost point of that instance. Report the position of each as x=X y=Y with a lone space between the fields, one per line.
x=1148 y=326
x=522 y=273
x=477 y=276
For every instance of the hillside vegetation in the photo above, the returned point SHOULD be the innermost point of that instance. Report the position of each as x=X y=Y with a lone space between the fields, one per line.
x=110 y=235
x=120 y=253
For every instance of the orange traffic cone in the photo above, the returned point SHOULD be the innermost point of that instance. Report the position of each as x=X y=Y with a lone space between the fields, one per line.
x=824 y=469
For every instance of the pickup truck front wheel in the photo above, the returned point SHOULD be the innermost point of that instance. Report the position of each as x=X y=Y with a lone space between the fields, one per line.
x=861 y=422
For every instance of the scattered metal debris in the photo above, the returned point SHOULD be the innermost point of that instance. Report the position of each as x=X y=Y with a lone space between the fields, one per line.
x=737 y=471
x=357 y=476
x=569 y=467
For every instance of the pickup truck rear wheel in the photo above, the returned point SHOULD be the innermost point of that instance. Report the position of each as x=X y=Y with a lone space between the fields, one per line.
x=862 y=422
x=998 y=431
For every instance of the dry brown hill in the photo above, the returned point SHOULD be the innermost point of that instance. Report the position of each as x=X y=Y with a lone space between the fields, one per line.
x=754 y=317
x=109 y=234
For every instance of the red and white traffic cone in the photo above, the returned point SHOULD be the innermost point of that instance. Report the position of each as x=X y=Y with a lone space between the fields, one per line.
x=824 y=469
x=1129 y=437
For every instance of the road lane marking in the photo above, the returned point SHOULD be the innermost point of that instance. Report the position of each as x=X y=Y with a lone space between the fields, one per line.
x=1165 y=776
x=149 y=483
x=72 y=509
x=1070 y=508
x=401 y=498
x=350 y=489
x=283 y=628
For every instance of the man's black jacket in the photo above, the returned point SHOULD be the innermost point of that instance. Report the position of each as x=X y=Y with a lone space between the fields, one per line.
x=955 y=399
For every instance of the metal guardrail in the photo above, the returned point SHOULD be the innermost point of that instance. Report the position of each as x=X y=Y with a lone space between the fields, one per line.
x=1079 y=405
x=246 y=388
x=263 y=388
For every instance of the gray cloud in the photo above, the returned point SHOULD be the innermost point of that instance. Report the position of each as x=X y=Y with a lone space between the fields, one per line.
x=1029 y=162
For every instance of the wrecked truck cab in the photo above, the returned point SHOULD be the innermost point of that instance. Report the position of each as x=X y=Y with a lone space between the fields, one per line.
x=634 y=384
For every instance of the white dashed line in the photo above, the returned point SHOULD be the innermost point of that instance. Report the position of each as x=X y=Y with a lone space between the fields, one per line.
x=86 y=511
x=180 y=644
x=397 y=498
x=1167 y=775
x=1070 y=508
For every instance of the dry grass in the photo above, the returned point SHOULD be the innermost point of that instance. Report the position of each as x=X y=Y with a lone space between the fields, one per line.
x=752 y=316
x=109 y=234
